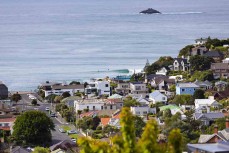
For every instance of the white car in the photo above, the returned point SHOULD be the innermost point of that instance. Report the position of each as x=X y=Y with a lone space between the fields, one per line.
x=72 y=132
x=47 y=109
x=73 y=140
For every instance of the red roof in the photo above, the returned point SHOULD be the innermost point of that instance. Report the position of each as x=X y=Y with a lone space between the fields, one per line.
x=105 y=121
x=3 y=120
x=86 y=114
x=7 y=128
x=117 y=116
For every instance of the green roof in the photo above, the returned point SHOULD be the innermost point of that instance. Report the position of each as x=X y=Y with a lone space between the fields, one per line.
x=162 y=108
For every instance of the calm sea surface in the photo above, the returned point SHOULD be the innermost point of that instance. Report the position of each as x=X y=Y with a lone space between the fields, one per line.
x=64 y=40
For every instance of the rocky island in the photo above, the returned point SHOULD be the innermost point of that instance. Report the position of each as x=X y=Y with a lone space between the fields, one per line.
x=150 y=11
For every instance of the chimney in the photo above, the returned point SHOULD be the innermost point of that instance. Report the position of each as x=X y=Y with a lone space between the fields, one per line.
x=227 y=123
x=215 y=129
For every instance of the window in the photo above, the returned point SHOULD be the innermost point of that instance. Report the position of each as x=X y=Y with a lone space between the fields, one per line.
x=111 y=106
x=106 y=85
x=93 y=107
x=102 y=107
x=138 y=87
x=87 y=107
x=182 y=90
x=163 y=98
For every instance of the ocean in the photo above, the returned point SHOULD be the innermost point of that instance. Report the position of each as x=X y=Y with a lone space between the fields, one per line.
x=66 y=40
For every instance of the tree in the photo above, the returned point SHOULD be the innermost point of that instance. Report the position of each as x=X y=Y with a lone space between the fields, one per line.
x=34 y=102
x=183 y=99
x=127 y=142
x=198 y=94
x=66 y=94
x=74 y=83
x=51 y=97
x=139 y=124
x=41 y=150
x=16 y=97
x=175 y=140
x=129 y=101
x=200 y=63
x=57 y=99
x=185 y=51
x=33 y=127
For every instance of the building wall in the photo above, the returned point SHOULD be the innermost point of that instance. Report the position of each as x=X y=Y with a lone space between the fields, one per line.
x=3 y=91
x=185 y=91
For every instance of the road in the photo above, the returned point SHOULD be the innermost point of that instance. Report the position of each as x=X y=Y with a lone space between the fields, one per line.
x=25 y=104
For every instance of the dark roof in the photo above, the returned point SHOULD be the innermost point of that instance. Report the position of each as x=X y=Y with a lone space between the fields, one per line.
x=211 y=115
x=76 y=86
x=181 y=59
x=19 y=149
x=215 y=66
x=213 y=54
x=154 y=76
x=65 y=144
x=221 y=147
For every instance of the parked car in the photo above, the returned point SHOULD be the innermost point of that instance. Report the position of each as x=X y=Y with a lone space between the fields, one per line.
x=72 y=132
x=47 y=109
x=73 y=140
x=53 y=115
x=61 y=130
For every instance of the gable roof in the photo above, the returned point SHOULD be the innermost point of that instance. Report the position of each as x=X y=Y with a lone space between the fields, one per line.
x=201 y=83
x=179 y=60
x=210 y=116
x=155 y=94
x=215 y=66
x=205 y=101
x=115 y=96
x=3 y=120
x=65 y=144
x=19 y=149
x=105 y=121
x=162 y=108
x=153 y=76
x=187 y=85
x=213 y=53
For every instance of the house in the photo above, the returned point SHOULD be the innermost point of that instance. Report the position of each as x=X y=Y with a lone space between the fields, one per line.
x=112 y=121
x=198 y=50
x=162 y=71
x=118 y=102
x=208 y=118
x=138 y=89
x=66 y=145
x=142 y=110
x=217 y=56
x=123 y=88
x=157 y=96
x=180 y=64
x=174 y=109
x=142 y=100
x=226 y=60
x=220 y=70
x=217 y=136
x=162 y=83
x=201 y=41
x=115 y=96
x=69 y=101
x=99 y=87
x=221 y=94
x=6 y=124
x=186 y=88
x=221 y=85
x=3 y=91
x=19 y=149
x=58 y=88
x=210 y=102
x=220 y=147
x=93 y=104
x=205 y=85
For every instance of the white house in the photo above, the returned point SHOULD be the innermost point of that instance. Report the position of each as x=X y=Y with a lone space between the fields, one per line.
x=93 y=104
x=162 y=71
x=156 y=96
x=142 y=110
x=100 y=87
x=180 y=64
x=58 y=88
x=226 y=60
x=138 y=89
x=201 y=41
x=206 y=103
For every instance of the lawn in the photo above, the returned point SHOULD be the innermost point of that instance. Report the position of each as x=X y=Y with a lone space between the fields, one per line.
x=66 y=128
x=74 y=136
